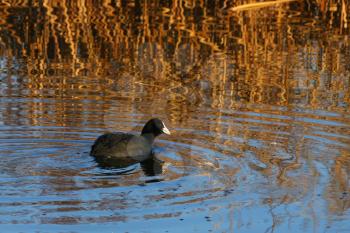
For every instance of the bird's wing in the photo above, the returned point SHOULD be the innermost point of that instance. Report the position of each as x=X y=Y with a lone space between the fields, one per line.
x=110 y=142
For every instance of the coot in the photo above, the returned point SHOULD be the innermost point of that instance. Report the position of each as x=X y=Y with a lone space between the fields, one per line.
x=122 y=149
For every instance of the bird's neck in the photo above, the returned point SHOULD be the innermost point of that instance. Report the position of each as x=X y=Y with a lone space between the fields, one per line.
x=149 y=137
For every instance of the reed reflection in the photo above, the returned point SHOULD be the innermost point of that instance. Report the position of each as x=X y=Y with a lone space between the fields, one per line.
x=270 y=86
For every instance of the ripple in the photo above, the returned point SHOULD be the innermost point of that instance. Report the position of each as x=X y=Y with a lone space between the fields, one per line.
x=257 y=103
x=217 y=157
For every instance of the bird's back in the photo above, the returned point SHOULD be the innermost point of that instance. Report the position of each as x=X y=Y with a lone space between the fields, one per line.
x=121 y=146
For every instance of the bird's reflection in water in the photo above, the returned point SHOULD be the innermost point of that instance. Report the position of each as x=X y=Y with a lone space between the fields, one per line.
x=150 y=167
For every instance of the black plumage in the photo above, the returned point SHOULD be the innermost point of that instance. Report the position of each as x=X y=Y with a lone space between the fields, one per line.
x=121 y=149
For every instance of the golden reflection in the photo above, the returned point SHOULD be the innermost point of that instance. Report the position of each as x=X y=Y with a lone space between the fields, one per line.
x=339 y=187
x=180 y=57
x=258 y=5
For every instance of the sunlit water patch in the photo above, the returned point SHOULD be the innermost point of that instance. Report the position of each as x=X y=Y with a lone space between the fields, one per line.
x=256 y=102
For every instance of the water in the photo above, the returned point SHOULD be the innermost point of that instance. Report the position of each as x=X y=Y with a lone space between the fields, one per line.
x=257 y=103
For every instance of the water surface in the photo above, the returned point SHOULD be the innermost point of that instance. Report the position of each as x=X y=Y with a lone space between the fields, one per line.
x=257 y=102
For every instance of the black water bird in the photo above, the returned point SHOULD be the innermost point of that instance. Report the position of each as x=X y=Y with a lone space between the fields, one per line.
x=123 y=149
